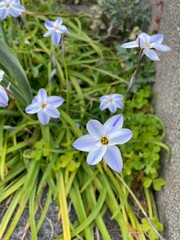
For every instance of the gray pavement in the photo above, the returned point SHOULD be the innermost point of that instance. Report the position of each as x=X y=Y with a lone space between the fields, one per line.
x=168 y=108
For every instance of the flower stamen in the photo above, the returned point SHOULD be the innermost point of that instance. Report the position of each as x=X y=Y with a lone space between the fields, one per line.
x=148 y=45
x=104 y=140
x=7 y=5
x=43 y=105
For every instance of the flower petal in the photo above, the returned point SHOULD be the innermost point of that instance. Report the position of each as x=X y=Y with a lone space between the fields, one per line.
x=43 y=117
x=42 y=95
x=48 y=33
x=63 y=29
x=104 y=105
x=117 y=97
x=36 y=99
x=33 y=108
x=114 y=123
x=112 y=107
x=3 y=13
x=16 y=11
x=49 y=25
x=96 y=154
x=17 y=7
x=144 y=37
x=141 y=43
x=3 y=97
x=119 y=137
x=160 y=47
x=85 y=143
x=113 y=158
x=105 y=98
x=119 y=104
x=132 y=44
x=95 y=129
x=56 y=37
x=52 y=111
x=158 y=38
x=151 y=54
x=2 y=5
x=55 y=101
x=1 y=75
x=58 y=21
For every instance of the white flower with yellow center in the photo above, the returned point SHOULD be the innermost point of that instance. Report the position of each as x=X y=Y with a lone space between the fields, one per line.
x=45 y=106
x=10 y=8
x=148 y=44
x=112 y=102
x=102 y=140
x=55 y=29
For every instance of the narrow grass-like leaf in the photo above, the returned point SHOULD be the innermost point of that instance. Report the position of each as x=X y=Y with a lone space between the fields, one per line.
x=25 y=194
x=81 y=76
x=14 y=187
x=99 y=220
x=13 y=173
x=63 y=208
x=12 y=65
x=9 y=113
x=69 y=120
x=104 y=72
x=3 y=158
x=16 y=147
x=1 y=147
x=47 y=172
x=78 y=204
x=92 y=215
x=9 y=213
x=80 y=95
x=32 y=200
x=113 y=206
x=44 y=210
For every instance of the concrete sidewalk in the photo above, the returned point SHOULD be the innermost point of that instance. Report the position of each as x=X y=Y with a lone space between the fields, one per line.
x=168 y=108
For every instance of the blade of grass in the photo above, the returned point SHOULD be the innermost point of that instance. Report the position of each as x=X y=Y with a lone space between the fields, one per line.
x=92 y=215
x=32 y=200
x=63 y=208
x=9 y=213
x=99 y=220
x=25 y=194
x=12 y=65
x=45 y=210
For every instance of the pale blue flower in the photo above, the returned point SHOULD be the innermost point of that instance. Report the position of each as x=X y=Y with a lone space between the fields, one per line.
x=3 y=94
x=148 y=43
x=1 y=75
x=112 y=102
x=55 y=29
x=10 y=8
x=102 y=140
x=3 y=97
x=45 y=106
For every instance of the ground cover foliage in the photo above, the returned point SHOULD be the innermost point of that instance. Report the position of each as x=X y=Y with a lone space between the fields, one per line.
x=36 y=158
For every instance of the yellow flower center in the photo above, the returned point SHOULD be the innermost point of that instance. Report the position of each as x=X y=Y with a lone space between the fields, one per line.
x=104 y=140
x=110 y=100
x=7 y=5
x=56 y=28
x=43 y=105
x=147 y=44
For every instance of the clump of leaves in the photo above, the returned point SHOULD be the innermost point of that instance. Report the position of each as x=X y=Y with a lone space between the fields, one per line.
x=118 y=18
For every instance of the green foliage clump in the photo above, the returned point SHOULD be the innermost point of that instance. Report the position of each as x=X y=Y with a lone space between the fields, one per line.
x=124 y=15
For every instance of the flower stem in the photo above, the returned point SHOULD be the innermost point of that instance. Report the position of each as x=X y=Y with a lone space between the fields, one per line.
x=140 y=207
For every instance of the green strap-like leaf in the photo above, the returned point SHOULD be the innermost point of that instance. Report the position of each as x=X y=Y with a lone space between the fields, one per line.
x=10 y=64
